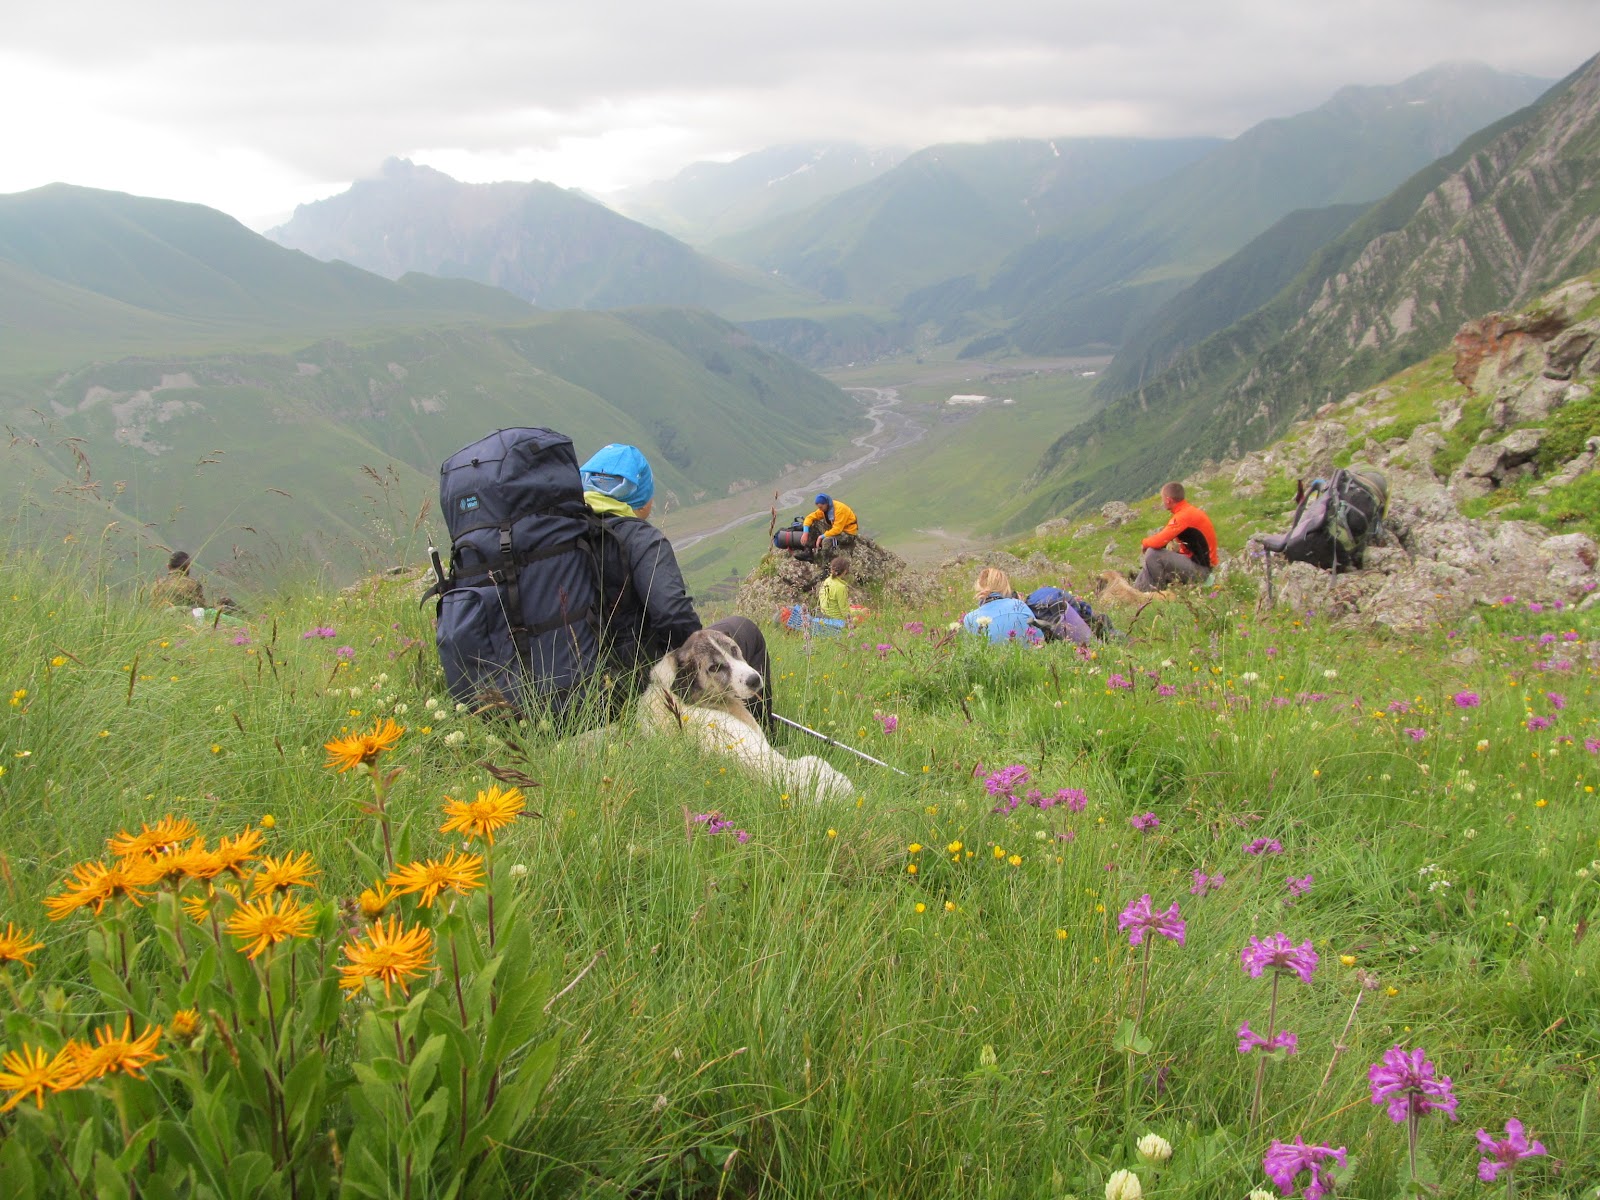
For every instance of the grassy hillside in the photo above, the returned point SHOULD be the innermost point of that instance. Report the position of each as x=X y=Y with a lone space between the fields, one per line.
x=774 y=1005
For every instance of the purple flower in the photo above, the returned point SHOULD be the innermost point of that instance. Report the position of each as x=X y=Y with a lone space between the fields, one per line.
x=889 y=721
x=1003 y=781
x=1166 y=689
x=241 y=639
x=1504 y=600
x=1139 y=919
x=1074 y=798
x=1467 y=700
x=1538 y=723
x=1145 y=823
x=1505 y=1155
x=1546 y=639
x=1535 y=607
x=1250 y=1040
x=1299 y=887
x=883 y=649
x=1399 y=706
x=743 y=836
x=1278 y=953
x=1557 y=700
x=1416 y=735
x=1592 y=745
x=1264 y=846
x=1284 y=1161
x=1121 y=682
x=1570 y=635
x=912 y=627
x=345 y=652
x=1405 y=1083
x=1204 y=883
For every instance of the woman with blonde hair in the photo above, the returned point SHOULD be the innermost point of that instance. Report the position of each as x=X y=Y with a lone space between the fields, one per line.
x=999 y=614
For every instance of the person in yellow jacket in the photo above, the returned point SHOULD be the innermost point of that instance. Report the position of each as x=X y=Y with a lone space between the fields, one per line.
x=833 y=597
x=832 y=521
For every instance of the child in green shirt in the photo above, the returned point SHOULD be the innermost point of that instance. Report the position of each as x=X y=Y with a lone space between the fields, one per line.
x=833 y=597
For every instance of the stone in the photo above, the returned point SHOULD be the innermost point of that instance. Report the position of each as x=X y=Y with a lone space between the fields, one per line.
x=1117 y=514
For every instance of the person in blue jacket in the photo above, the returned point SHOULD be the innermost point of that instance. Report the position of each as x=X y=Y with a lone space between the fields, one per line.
x=1000 y=615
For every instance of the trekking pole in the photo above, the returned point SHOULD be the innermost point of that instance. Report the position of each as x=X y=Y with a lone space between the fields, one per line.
x=858 y=753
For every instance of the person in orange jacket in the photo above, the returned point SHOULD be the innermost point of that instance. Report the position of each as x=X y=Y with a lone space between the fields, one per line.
x=1193 y=545
x=833 y=525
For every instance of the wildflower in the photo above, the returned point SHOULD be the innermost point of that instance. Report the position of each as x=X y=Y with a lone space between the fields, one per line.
x=1505 y=1155
x=32 y=1072
x=1139 y=919
x=390 y=953
x=1348 y=960
x=1154 y=1148
x=15 y=946
x=111 y=1052
x=281 y=874
x=1592 y=745
x=1405 y=1083
x=889 y=721
x=1124 y=1185
x=233 y=852
x=455 y=737
x=321 y=631
x=264 y=923
x=1299 y=887
x=92 y=885
x=165 y=834
x=1250 y=1040
x=1416 y=735
x=912 y=627
x=18 y=696
x=359 y=748
x=1145 y=823
x=1557 y=700
x=1263 y=846
x=1539 y=723
x=949 y=906
x=1466 y=699
x=1166 y=689
x=1076 y=799
x=374 y=900
x=460 y=873
x=1284 y=1161
x=479 y=819
x=1204 y=883
x=185 y=1023
x=1278 y=953
x=1119 y=682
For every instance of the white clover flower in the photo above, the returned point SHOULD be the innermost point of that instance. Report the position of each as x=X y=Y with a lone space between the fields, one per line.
x=1469 y=834
x=1124 y=1185
x=984 y=622
x=1262 y=1194
x=383 y=677
x=1249 y=677
x=1330 y=673
x=461 y=708
x=430 y=703
x=400 y=710
x=454 y=738
x=518 y=870
x=1154 y=1148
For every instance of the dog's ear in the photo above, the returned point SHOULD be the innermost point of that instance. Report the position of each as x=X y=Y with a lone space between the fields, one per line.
x=686 y=676
x=665 y=673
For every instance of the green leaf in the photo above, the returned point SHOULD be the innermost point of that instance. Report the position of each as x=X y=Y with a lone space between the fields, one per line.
x=423 y=1065
x=387 y=1071
x=419 y=1137
x=109 y=984
x=248 y=1174
x=110 y=1181
x=136 y=1143
x=302 y=1090
x=83 y=1150
x=520 y=1013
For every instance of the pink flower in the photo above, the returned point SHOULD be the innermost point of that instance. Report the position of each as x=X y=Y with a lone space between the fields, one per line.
x=1145 y=823
x=1166 y=689
x=1505 y=1155
x=889 y=721
x=1539 y=723
x=1074 y=798
x=1404 y=1082
x=1299 y=887
x=1416 y=735
x=1284 y=1161
x=1467 y=699
x=1204 y=883
x=1264 y=846
x=1557 y=700
x=1139 y=919
x=1276 y=952
x=1250 y=1040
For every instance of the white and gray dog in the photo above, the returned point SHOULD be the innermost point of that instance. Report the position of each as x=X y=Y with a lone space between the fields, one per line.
x=700 y=689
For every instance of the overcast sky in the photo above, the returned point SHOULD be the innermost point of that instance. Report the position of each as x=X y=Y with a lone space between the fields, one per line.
x=253 y=108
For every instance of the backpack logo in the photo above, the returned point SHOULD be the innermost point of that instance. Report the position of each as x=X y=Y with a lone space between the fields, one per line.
x=466 y=504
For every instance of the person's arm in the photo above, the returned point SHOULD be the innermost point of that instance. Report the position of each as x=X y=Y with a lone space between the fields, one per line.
x=1164 y=535
x=653 y=569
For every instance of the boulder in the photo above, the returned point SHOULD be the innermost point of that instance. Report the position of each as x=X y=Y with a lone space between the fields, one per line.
x=1117 y=514
x=1055 y=527
x=1569 y=471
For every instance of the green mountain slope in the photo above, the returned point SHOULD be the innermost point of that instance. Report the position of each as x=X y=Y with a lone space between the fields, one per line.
x=1513 y=211
x=1090 y=282
x=710 y=200
x=950 y=210
x=552 y=247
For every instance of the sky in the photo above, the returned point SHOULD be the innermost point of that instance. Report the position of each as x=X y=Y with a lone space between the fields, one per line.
x=253 y=108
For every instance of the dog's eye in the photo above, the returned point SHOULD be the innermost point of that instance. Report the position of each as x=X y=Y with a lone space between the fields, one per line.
x=721 y=668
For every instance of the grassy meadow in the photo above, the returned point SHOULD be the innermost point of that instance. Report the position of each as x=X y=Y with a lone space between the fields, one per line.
x=699 y=987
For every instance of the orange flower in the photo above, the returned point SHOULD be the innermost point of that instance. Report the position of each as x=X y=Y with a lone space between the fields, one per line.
x=233 y=852
x=165 y=834
x=358 y=748
x=390 y=953
x=267 y=922
x=281 y=874
x=92 y=885
x=110 y=1053
x=186 y=1023
x=479 y=818
x=374 y=900
x=461 y=873
x=15 y=946
x=31 y=1071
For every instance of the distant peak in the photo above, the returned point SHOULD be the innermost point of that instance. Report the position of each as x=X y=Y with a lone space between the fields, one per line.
x=404 y=170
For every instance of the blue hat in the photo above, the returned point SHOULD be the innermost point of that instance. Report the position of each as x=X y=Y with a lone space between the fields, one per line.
x=824 y=498
x=621 y=472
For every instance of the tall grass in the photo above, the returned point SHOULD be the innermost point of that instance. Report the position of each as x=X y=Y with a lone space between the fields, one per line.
x=802 y=1013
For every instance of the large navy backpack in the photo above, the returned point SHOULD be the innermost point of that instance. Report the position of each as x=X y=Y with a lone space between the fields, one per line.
x=1334 y=520
x=519 y=610
x=1049 y=606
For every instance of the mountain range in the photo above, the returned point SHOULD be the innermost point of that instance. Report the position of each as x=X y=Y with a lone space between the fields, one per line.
x=1508 y=214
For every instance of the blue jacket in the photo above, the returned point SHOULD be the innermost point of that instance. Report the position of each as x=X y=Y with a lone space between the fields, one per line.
x=1008 y=620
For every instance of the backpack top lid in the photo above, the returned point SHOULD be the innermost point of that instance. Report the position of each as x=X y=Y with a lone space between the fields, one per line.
x=1046 y=597
x=507 y=476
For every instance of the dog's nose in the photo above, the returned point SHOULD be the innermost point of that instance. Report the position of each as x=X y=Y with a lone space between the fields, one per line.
x=753 y=682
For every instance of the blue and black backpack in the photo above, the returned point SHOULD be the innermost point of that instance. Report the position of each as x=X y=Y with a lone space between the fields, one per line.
x=520 y=608
x=1049 y=603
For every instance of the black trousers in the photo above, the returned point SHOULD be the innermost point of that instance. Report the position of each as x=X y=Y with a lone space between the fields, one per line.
x=752 y=645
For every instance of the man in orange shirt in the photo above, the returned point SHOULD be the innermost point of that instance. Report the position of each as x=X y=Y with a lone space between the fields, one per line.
x=1193 y=543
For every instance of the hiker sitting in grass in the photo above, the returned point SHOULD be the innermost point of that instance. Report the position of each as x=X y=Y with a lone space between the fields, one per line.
x=833 y=596
x=833 y=525
x=178 y=588
x=648 y=609
x=1193 y=543
x=999 y=614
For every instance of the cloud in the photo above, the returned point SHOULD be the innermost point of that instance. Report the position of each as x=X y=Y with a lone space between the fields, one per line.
x=300 y=96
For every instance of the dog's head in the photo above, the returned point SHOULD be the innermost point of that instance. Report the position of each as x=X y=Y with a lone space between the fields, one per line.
x=706 y=668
